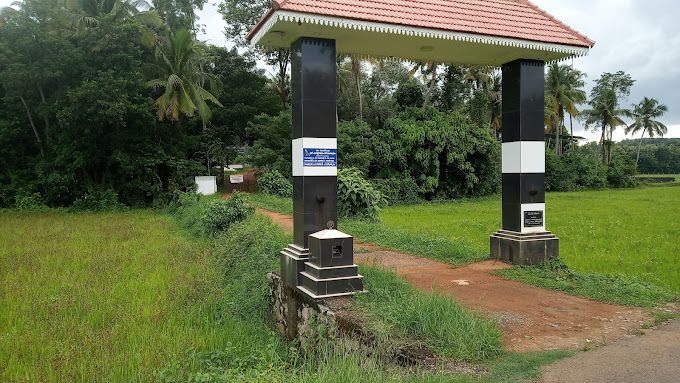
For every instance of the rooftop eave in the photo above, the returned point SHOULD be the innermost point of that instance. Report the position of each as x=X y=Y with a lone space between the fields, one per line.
x=280 y=28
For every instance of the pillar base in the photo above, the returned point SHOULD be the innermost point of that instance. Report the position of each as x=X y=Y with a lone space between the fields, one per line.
x=524 y=248
x=331 y=271
x=293 y=260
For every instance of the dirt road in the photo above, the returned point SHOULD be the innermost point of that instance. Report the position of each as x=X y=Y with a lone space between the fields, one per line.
x=532 y=318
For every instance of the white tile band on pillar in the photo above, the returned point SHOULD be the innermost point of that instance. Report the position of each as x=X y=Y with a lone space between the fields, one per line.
x=314 y=157
x=533 y=208
x=523 y=157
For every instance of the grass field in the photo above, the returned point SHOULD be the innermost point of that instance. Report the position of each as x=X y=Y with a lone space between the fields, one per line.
x=99 y=297
x=676 y=176
x=631 y=232
x=129 y=297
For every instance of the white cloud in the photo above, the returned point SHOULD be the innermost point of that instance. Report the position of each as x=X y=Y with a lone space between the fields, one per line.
x=634 y=36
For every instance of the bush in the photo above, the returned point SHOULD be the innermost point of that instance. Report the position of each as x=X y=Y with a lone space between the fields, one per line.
x=205 y=217
x=98 y=200
x=357 y=197
x=570 y=172
x=398 y=190
x=621 y=172
x=442 y=152
x=219 y=215
x=272 y=182
x=29 y=202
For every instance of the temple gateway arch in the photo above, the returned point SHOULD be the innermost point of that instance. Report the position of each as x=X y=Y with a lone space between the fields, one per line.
x=514 y=35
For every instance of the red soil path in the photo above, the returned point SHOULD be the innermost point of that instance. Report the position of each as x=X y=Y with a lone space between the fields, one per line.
x=532 y=318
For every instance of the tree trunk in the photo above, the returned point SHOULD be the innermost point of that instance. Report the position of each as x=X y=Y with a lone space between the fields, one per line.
x=223 y=161
x=639 y=146
x=604 y=150
x=558 y=132
x=571 y=131
x=430 y=90
x=356 y=71
x=283 y=59
x=47 y=120
x=35 y=131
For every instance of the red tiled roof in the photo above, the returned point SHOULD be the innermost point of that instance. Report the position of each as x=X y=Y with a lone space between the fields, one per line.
x=518 y=19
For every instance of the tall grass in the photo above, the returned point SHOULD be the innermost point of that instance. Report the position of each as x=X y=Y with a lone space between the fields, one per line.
x=397 y=309
x=100 y=297
x=126 y=296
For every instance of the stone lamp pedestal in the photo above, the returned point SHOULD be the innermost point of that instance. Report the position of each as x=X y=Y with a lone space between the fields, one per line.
x=330 y=271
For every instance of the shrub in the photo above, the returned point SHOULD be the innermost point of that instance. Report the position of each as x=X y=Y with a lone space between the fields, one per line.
x=357 y=197
x=98 y=200
x=621 y=172
x=206 y=216
x=398 y=190
x=272 y=182
x=219 y=215
x=571 y=172
x=32 y=201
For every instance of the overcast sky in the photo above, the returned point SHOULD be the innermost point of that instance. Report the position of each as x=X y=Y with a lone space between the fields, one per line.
x=639 y=37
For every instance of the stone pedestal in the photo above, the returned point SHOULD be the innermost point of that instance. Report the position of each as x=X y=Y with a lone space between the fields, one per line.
x=524 y=249
x=330 y=271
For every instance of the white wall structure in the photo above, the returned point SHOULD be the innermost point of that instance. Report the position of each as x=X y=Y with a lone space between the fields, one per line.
x=207 y=185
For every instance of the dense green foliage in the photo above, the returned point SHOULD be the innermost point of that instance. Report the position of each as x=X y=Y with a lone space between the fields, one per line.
x=357 y=197
x=657 y=156
x=272 y=182
x=271 y=147
x=207 y=217
x=574 y=171
x=444 y=154
x=77 y=115
x=398 y=190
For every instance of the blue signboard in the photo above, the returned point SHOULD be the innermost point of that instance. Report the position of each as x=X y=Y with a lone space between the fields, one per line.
x=320 y=158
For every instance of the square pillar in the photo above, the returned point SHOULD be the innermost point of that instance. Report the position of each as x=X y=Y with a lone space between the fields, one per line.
x=313 y=86
x=524 y=239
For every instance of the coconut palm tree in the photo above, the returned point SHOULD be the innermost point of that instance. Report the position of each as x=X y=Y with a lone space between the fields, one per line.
x=83 y=15
x=605 y=113
x=564 y=83
x=645 y=114
x=180 y=74
x=496 y=103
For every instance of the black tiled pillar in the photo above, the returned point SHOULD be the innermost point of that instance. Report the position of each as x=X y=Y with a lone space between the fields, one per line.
x=524 y=238
x=523 y=146
x=315 y=150
x=313 y=83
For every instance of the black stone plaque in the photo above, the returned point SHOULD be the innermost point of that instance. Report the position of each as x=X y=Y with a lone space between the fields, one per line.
x=533 y=219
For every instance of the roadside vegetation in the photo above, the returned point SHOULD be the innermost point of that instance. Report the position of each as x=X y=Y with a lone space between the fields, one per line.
x=137 y=295
x=617 y=245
